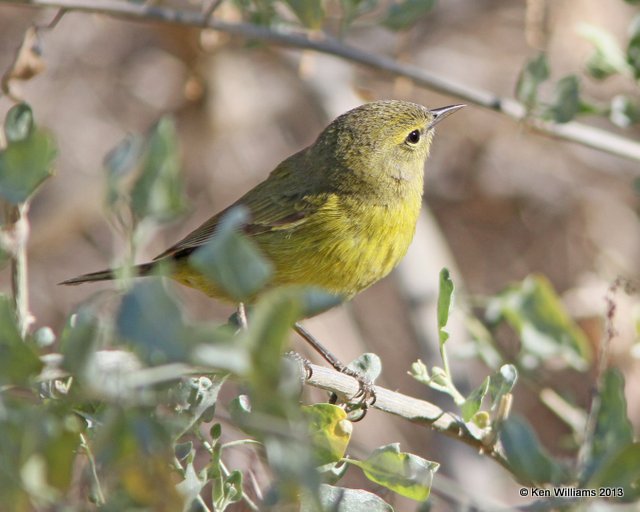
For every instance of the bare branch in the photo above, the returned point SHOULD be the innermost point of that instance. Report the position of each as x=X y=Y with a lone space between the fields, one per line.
x=585 y=135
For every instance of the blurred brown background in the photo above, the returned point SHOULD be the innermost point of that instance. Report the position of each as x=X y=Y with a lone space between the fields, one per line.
x=506 y=202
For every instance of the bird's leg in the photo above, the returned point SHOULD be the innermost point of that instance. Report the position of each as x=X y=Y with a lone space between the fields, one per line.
x=366 y=393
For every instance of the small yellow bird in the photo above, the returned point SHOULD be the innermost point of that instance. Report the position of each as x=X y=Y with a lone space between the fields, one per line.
x=340 y=214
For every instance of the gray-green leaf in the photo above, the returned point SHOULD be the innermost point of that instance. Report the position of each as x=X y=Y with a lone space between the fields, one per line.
x=566 y=100
x=232 y=260
x=613 y=429
x=26 y=161
x=406 y=13
x=528 y=459
x=535 y=71
x=310 y=12
x=534 y=310
x=342 y=499
x=404 y=473
x=445 y=301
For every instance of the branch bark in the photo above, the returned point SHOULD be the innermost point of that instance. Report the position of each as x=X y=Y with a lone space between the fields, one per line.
x=580 y=133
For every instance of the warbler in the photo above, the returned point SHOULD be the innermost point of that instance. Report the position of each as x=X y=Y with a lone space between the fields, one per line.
x=339 y=214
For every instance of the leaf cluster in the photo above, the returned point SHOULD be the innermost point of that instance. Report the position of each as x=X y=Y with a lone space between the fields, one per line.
x=608 y=59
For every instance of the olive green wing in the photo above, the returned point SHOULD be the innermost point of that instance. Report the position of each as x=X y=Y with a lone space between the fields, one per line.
x=280 y=202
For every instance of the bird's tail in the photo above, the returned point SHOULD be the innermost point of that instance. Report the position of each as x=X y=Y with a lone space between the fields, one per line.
x=107 y=275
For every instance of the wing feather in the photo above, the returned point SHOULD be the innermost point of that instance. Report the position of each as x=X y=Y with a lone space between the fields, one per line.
x=280 y=202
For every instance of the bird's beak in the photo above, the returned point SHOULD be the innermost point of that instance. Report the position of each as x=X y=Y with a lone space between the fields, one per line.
x=440 y=113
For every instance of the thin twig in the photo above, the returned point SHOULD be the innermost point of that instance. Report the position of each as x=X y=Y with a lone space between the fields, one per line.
x=585 y=135
x=242 y=316
x=17 y=220
x=54 y=21
x=100 y=499
x=208 y=12
x=609 y=332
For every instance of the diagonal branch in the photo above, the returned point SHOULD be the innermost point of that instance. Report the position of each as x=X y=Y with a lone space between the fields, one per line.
x=580 y=133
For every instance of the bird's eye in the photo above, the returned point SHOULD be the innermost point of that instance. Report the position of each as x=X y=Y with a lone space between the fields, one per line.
x=413 y=137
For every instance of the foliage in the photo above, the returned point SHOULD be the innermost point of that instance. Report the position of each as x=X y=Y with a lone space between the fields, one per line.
x=136 y=426
x=608 y=59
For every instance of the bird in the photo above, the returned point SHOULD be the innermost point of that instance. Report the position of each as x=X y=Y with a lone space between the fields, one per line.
x=339 y=215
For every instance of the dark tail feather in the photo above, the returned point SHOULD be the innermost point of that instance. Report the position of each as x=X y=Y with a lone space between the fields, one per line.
x=106 y=275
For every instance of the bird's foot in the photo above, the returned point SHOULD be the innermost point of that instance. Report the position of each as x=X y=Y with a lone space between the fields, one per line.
x=364 y=398
x=303 y=363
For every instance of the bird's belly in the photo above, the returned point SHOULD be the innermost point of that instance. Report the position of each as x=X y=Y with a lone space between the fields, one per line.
x=345 y=259
x=337 y=253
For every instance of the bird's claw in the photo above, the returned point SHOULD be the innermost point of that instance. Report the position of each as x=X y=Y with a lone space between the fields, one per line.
x=364 y=398
x=303 y=362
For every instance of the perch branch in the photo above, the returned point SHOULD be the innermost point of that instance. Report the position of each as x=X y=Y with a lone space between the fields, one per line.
x=580 y=133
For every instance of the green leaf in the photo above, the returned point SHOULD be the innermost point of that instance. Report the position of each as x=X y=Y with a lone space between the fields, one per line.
x=134 y=447
x=240 y=410
x=60 y=452
x=501 y=383
x=420 y=372
x=233 y=487
x=18 y=361
x=38 y=445
x=621 y=473
x=342 y=499
x=535 y=71
x=404 y=473
x=625 y=111
x=78 y=342
x=368 y=365
x=353 y=9
x=633 y=47
x=473 y=402
x=566 y=100
x=310 y=12
x=332 y=473
x=275 y=385
x=445 y=301
x=546 y=330
x=231 y=355
x=184 y=450
x=484 y=342
x=317 y=300
x=151 y=321
x=613 y=429
x=25 y=164
x=158 y=191
x=608 y=58
x=528 y=459
x=257 y=12
x=204 y=397
x=403 y=14
x=121 y=161
x=329 y=430
x=232 y=260
x=191 y=486
x=19 y=124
